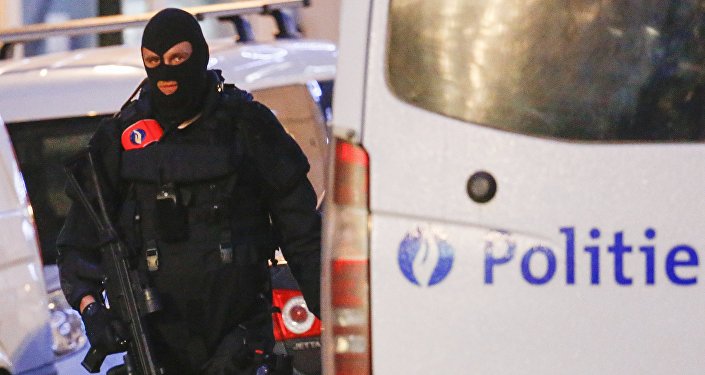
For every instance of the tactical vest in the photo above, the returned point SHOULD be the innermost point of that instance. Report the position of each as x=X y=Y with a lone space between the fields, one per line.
x=194 y=205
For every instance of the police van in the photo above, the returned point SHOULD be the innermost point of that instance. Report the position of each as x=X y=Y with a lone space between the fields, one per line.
x=53 y=103
x=517 y=188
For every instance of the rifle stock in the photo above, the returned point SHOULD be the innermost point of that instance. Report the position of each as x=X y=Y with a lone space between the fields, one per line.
x=122 y=284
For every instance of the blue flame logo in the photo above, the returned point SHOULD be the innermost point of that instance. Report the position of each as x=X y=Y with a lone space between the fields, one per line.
x=137 y=136
x=425 y=257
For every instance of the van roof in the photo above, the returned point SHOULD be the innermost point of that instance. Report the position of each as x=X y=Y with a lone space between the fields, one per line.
x=97 y=81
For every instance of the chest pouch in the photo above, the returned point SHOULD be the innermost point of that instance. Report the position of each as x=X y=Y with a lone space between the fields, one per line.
x=170 y=214
x=180 y=165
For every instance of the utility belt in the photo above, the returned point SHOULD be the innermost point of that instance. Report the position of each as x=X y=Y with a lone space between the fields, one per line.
x=183 y=199
x=171 y=218
x=241 y=240
x=200 y=213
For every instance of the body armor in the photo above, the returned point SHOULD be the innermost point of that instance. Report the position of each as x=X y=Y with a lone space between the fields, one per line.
x=194 y=215
x=202 y=209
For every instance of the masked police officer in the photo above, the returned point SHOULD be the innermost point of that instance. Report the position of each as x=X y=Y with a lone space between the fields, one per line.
x=204 y=184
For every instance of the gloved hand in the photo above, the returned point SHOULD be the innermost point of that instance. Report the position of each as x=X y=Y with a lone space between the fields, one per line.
x=104 y=331
x=231 y=355
x=80 y=274
x=241 y=354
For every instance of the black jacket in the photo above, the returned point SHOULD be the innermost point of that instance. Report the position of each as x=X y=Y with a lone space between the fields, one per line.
x=270 y=203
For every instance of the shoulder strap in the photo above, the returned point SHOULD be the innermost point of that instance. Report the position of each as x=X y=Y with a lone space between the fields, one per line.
x=131 y=99
x=129 y=114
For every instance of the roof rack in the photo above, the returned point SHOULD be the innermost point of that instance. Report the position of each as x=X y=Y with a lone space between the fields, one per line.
x=97 y=25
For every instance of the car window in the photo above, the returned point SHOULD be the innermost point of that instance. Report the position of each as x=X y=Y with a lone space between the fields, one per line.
x=41 y=147
x=298 y=109
x=578 y=70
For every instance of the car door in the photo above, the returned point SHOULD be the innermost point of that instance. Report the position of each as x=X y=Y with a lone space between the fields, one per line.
x=25 y=335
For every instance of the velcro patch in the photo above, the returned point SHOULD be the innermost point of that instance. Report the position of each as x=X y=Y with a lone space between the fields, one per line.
x=141 y=134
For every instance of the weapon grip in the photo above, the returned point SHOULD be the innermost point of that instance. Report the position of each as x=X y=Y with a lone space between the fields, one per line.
x=93 y=360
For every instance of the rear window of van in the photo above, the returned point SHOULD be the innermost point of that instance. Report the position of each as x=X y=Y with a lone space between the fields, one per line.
x=576 y=70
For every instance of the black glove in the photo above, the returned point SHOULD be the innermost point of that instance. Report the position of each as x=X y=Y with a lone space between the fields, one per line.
x=104 y=331
x=240 y=353
x=80 y=274
x=231 y=356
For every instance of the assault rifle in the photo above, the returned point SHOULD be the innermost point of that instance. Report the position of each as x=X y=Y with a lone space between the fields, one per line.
x=126 y=295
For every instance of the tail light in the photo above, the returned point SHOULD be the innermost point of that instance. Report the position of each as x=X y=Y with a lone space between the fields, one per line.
x=295 y=321
x=346 y=334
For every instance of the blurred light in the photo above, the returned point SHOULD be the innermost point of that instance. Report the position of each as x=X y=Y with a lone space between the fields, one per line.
x=263 y=53
x=351 y=344
x=315 y=89
x=313 y=46
x=116 y=69
x=66 y=326
x=347 y=317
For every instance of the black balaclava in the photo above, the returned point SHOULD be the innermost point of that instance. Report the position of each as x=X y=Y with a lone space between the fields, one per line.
x=166 y=29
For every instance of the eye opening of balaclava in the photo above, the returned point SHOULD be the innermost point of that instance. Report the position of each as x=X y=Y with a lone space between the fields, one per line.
x=166 y=29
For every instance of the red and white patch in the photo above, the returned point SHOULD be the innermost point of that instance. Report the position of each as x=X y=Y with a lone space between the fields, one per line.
x=141 y=134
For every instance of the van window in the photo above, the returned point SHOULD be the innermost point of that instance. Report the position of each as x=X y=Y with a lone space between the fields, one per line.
x=578 y=70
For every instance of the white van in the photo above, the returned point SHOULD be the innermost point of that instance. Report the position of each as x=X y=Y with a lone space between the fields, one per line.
x=53 y=103
x=517 y=189
x=25 y=336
